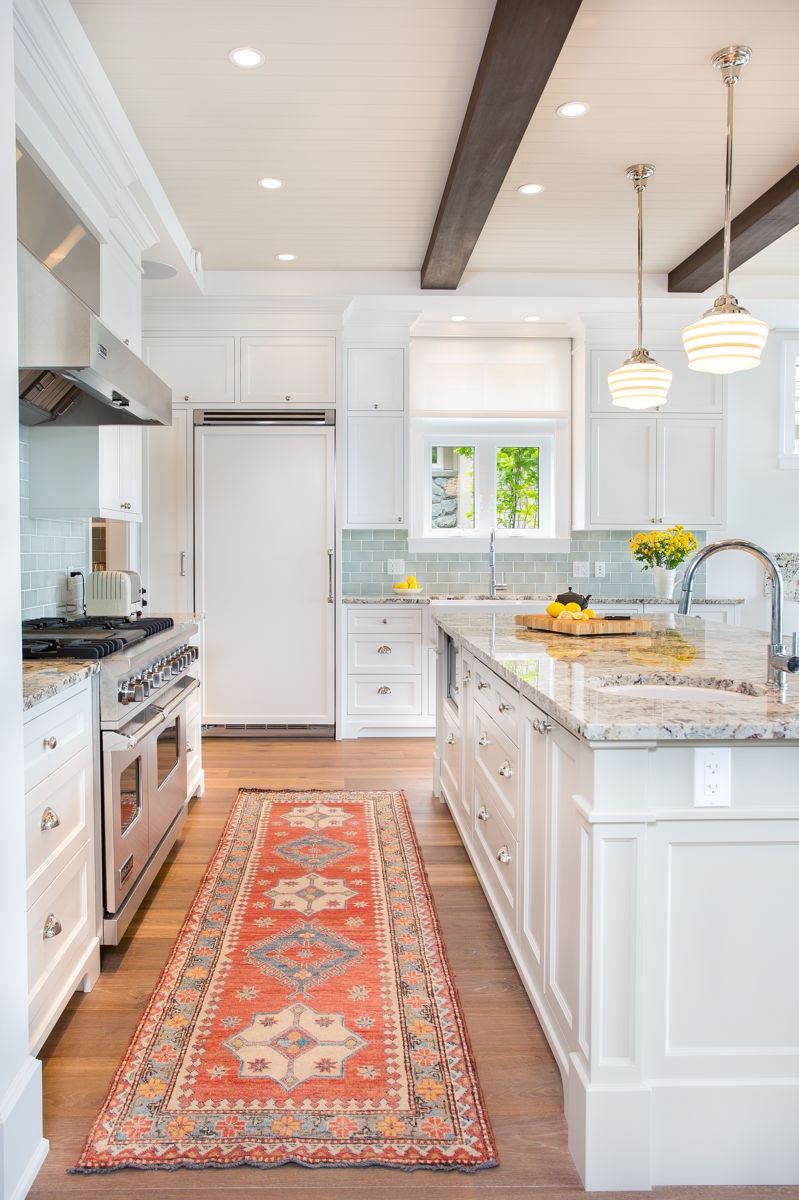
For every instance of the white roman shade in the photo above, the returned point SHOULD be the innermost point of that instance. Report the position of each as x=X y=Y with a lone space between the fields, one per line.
x=490 y=377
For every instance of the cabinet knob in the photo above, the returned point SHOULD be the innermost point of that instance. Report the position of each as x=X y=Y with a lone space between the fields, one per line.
x=503 y=854
x=51 y=927
x=50 y=820
x=384 y=691
x=482 y=684
x=383 y=649
x=375 y=406
x=506 y=769
x=483 y=814
x=185 y=397
x=125 y=504
x=288 y=398
x=399 y=519
x=451 y=740
x=542 y=726
x=503 y=707
x=189 y=749
x=385 y=620
x=466 y=677
x=50 y=743
x=484 y=739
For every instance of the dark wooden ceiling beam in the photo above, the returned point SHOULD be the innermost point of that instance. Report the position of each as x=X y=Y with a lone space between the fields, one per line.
x=522 y=47
x=770 y=216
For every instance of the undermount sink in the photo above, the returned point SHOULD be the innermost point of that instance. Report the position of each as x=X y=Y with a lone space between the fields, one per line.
x=681 y=692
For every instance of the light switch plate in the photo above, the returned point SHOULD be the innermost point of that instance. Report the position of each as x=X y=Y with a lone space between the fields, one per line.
x=395 y=566
x=580 y=570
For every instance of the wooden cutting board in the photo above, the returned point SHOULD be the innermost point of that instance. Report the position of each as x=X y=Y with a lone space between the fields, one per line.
x=598 y=626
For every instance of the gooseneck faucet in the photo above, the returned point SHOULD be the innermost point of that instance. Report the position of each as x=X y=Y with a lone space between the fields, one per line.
x=492 y=565
x=779 y=660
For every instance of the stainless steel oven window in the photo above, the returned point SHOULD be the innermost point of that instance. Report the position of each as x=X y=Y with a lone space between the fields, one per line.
x=168 y=750
x=129 y=799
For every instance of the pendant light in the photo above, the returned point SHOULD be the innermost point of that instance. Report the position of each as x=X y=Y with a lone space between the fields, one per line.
x=727 y=338
x=640 y=382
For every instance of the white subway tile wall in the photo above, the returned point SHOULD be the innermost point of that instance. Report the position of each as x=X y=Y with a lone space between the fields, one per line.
x=365 y=553
x=48 y=550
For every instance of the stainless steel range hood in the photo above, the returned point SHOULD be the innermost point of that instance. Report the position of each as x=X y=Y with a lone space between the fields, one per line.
x=71 y=368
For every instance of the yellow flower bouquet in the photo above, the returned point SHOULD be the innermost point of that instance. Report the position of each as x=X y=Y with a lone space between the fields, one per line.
x=663 y=547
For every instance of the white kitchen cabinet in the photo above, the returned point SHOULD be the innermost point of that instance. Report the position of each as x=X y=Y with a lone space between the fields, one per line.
x=64 y=910
x=375 y=496
x=384 y=687
x=696 y=392
x=200 y=370
x=288 y=371
x=375 y=379
x=80 y=471
x=169 y=545
x=656 y=471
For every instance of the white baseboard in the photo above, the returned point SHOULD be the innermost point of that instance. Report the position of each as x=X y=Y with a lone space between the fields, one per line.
x=23 y=1149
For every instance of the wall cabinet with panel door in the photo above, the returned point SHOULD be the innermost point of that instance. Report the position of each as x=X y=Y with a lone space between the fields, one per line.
x=647 y=470
x=288 y=370
x=376 y=452
x=200 y=370
x=81 y=471
x=62 y=844
x=168 y=544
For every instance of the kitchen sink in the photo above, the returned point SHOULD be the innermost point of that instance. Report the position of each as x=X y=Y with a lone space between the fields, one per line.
x=680 y=692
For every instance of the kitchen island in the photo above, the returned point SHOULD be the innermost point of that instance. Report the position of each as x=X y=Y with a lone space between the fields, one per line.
x=641 y=855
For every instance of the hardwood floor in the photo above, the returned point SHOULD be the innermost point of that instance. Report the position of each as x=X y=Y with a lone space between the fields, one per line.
x=520 y=1080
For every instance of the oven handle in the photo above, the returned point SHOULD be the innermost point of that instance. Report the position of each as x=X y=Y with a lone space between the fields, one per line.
x=131 y=740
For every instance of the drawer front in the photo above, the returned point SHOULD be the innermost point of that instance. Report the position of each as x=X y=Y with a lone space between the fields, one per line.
x=59 y=820
x=498 y=699
x=384 y=695
x=53 y=736
x=496 y=762
x=496 y=857
x=397 y=652
x=51 y=960
x=386 y=619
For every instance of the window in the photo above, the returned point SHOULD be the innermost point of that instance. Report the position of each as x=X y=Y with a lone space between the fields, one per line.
x=789 y=455
x=471 y=476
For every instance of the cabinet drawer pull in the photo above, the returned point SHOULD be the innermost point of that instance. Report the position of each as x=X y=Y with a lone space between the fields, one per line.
x=467 y=677
x=483 y=814
x=288 y=398
x=52 y=926
x=189 y=749
x=503 y=707
x=503 y=854
x=482 y=684
x=50 y=820
x=384 y=691
x=50 y=743
x=484 y=739
x=541 y=725
x=506 y=769
x=383 y=649
x=385 y=620
x=126 y=504
x=451 y=740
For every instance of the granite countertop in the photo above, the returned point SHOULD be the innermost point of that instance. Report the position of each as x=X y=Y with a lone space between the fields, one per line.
x=561 y=674
x=542 y=598
x=45 y=678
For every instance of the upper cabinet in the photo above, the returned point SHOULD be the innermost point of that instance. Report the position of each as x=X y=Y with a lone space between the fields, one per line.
x=291 y=371
x=200 y=370
x=81 y=471
x=376 y=379
x=376 y=437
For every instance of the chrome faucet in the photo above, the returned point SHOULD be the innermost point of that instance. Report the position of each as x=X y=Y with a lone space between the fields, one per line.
x=779 y=660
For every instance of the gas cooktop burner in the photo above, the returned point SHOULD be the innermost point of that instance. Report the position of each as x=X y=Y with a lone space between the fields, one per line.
x=97 y=626
x=33 y=648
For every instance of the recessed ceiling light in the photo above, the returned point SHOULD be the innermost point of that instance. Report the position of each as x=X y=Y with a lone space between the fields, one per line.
x=531 y=189
x=270 y=184
x=573 y=108
x=285 y=257
x=246 y=56
x=532 y=318
x=150 y=269
x=458 y=317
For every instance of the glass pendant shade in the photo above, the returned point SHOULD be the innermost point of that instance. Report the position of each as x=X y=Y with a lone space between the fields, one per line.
x=640 y=382
x=726 y=339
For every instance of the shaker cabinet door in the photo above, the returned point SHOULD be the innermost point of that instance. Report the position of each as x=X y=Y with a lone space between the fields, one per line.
x=623 y=472
x=375 y=471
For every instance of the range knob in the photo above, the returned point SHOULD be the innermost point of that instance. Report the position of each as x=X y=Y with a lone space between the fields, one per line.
x=131 y=692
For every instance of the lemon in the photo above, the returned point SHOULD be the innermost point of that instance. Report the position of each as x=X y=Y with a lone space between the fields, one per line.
x=555 y=608
x=573 y=606
x=412 y=581
x=565 y=615
x=589 y=613
x=400 y=585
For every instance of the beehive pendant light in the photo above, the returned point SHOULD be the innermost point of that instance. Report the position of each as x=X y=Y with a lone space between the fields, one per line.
x=640 y=382
x=727 y=338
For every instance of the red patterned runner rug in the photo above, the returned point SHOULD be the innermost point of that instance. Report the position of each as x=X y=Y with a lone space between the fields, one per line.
x=306 y=1013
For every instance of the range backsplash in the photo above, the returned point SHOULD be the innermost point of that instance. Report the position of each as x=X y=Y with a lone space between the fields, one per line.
x=365 y=553
x=49 y=549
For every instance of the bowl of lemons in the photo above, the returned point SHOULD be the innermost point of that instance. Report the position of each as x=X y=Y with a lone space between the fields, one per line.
x=407 y=585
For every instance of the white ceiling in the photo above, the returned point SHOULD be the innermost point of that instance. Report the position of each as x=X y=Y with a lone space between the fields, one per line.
x=359 y=105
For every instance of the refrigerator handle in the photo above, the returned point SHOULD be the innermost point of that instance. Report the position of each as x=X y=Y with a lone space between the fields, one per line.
x=330 y=578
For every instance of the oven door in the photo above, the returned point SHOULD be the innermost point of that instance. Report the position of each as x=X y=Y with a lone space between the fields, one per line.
x=169 y=780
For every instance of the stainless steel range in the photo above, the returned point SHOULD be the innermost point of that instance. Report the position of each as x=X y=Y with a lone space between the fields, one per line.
x=147 y=671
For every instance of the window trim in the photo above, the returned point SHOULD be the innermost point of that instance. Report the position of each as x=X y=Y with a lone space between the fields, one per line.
x=789 y=455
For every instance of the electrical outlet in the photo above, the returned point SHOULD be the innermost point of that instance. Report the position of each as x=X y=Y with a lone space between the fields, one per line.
x=712 y=769
x=580 y=570
x=395 y=566
x=599 y=570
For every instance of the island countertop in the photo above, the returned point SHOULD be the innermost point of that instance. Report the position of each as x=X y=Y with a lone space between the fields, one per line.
x=564 y=676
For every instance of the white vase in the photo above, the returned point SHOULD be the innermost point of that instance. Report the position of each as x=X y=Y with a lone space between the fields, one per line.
x=664 y=582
